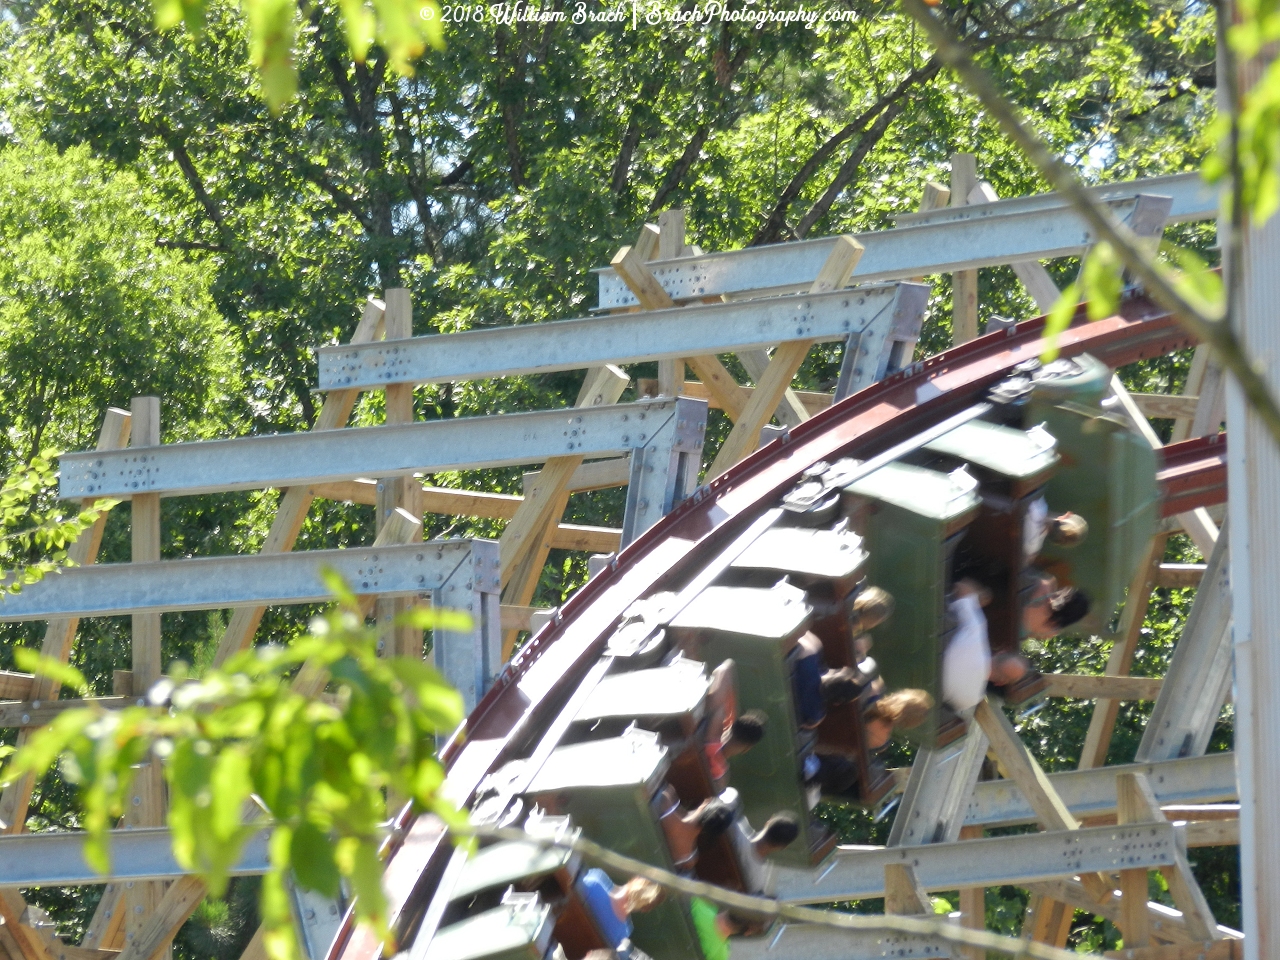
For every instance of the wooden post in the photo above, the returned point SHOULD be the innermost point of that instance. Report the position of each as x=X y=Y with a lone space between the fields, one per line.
x=1135 y=920
x=397 y=492
x=964 y=283
x=973 y=900
x=903 y=894
x=146 y=801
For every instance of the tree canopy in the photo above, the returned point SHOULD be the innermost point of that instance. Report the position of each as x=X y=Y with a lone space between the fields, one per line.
x=164 y=231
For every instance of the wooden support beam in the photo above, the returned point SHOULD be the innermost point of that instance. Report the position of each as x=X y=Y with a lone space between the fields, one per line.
x=964 y=283
x=1173 y=576
x=296 y=501
x=1164 y=406
x=13 y=912
x=1089 y=687
x=1102 y=723
x=641 y=282
x=671 y=227
x=517 y=618
x=1136 y=803
x=1135 y=921
x=973 y=900
x=745 y=436
x=903 y=894
x=395 y=493
x=596 y=475
x=1035 y=278
x=154 y=936
x=1023 y=770
x=526 y=541
x=471 y=503
x=813 y=401
x=146 y=807
x=1167 y=925
x=15 y=686
x=36 y=713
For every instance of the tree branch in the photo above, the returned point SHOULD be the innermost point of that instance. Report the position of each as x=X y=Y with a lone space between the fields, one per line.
x=774 y=227
x=768 y=908
x=1215 y=331
x=849 y=169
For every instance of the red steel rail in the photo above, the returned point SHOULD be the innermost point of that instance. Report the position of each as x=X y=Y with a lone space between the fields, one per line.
x=540 y=679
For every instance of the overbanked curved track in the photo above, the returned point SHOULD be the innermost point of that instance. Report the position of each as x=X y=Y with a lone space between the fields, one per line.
x=687 y=549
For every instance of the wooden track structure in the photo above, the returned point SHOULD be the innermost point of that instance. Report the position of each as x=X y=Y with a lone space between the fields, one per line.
x=526 y=699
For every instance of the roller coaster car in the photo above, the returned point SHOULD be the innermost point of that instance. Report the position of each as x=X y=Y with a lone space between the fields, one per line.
x=912 y=519
x=520 y=929
x=759 y=630
x=613 y=790
x=1012 y=467
x=528 y=867
x=830 y=565
x=670 y=701
x=1107 y=475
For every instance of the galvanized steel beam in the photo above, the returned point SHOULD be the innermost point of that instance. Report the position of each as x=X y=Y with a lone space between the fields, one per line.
x=871 y=313
x=940 y=241
x=802 y=941
x=1091 y=793
x=145 y=853
x=858 y=873
x=211 y=583
x=1199 y=675
x=303 y=459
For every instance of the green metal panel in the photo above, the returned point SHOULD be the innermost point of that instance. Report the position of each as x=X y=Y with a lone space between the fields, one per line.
x=1108 y=476
x=608 y=788
x=513 y=931
x=1016 y=455
x=945 y=498
x=757 y=629
x=806 y=554
x=911 y=523
x=678 y=689
x=504 y=864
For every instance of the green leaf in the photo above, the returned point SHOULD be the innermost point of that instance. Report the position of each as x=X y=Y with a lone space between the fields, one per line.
x=1103 y=281
x=311 y=854
x=1058 y=320
x=436 y=618
x=63 y=673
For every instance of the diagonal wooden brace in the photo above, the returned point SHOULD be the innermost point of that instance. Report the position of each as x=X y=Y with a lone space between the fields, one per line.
x=527 y=539
x=745 y=436
x=296 y=501
x=1023 y=769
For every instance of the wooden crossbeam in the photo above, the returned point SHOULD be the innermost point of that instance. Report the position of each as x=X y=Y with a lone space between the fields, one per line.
x=1089 y=687
x=1023 y=770
x=745 y=436
x=812 y=400
x=296 y=501
x=472 y=503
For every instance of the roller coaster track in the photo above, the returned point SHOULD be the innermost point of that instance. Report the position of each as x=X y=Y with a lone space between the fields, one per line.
x=533 y=700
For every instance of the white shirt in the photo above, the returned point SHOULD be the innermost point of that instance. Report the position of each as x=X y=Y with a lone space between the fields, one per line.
x=1035 y=527
x=966 y=663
